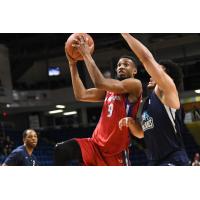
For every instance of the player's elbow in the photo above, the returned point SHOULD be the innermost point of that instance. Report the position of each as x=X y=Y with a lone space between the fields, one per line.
x=98 y=85
x=137 y=133
x=176 y=105
x=140 y=135
x=77 y=97
x=81 y=98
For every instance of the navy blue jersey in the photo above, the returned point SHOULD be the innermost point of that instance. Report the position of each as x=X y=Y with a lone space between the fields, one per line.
x=162 y=130
x=20 y=157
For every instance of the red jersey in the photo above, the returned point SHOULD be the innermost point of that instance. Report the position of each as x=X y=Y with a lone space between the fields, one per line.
x=107 y=135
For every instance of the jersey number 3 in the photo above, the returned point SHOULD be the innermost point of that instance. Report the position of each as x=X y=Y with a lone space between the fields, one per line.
x=110 y=110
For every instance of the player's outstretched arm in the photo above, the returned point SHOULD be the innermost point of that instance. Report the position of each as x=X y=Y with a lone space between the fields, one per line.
x=164 y=82
x=133 y=126
x=80 y=92
x=131 y=85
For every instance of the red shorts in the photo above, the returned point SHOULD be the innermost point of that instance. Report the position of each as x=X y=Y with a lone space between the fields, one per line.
x=93 y=156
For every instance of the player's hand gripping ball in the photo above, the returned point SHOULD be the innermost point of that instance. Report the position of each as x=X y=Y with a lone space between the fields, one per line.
x=73 y=51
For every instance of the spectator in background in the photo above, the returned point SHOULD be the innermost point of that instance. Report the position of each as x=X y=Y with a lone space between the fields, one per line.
x=7 y=145
x=23 y=155
x=196 y=161
x=1 y=143
x=1 y=149
x=196 y=113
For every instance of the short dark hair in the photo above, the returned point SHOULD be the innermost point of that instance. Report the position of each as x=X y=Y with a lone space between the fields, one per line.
x=174 y=71
x=129 y=57
x=25 y=132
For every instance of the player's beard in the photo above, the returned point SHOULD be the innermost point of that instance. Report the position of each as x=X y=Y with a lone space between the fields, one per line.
x=121 y=78
x=32 y=145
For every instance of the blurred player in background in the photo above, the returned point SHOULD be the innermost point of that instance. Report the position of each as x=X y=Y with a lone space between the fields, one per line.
x=23 y=155
x=121 y=98
x=161 y=117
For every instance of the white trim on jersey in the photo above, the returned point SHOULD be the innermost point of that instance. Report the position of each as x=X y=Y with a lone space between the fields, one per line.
x=171 y=116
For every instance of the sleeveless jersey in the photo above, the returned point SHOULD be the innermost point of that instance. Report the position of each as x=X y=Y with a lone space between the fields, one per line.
x=162 y=129
x=107 y=135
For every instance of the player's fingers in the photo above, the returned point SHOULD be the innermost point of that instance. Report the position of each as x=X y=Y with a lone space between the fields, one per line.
x=86 y=39
x=78 y=37
x=76 y=45
x=91 y=47
x=82 y=38
x=126 y=121
x=120 y=124
x=76 y=41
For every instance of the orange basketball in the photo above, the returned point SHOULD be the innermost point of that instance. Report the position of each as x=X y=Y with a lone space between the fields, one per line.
x=72 y=51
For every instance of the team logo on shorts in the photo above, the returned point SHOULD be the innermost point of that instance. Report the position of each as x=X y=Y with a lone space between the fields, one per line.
x=147 y=121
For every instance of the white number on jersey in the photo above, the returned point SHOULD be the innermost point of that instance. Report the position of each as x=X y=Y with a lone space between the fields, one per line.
x=110 y=110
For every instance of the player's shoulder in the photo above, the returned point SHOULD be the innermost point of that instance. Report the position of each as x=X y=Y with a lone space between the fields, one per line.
x=132 y=80
x=137 y=80
x=19 y=149
x=135 y=86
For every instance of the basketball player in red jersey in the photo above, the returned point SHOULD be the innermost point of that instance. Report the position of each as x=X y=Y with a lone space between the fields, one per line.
x=121 y=98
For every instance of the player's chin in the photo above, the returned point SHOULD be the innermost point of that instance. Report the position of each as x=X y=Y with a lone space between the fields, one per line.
x=121 y=77
x=34 y=144
x=151 y=85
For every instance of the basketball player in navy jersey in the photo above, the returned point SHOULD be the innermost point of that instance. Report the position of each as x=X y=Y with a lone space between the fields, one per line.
x=161 y=120
x=121 y=98
x=23 y=155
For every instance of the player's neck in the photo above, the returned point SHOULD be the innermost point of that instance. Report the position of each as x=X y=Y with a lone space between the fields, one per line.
x=29 y=150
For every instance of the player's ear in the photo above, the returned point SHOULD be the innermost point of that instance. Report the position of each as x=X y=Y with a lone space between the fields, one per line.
x=134 y=71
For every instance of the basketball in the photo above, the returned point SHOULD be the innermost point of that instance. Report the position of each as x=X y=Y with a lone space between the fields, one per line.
x=72 y=51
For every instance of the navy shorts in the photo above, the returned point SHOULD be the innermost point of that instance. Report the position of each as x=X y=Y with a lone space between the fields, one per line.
x=178 y=158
